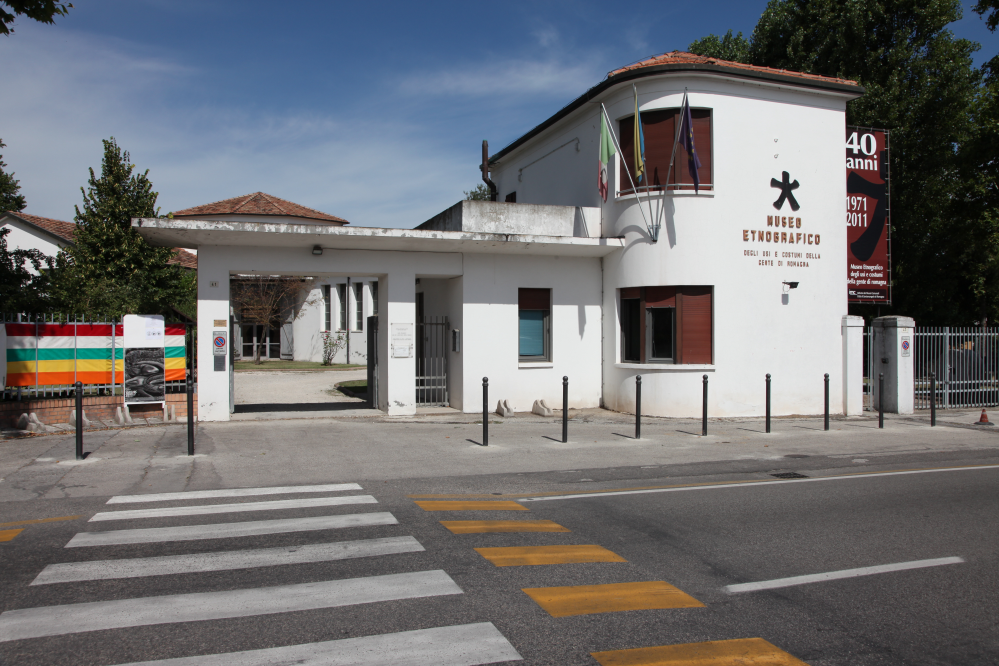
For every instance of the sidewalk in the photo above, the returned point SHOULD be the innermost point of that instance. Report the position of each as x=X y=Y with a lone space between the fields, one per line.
x=447 y=445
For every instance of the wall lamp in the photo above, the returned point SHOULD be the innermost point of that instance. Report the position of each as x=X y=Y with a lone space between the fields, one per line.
x=318 y=249
x=790 y=285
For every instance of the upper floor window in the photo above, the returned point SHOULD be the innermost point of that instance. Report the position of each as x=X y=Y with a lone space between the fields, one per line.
x=660 y=128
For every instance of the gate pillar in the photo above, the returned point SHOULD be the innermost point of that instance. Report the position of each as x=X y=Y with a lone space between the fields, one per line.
x=893 y=339
x=397 y=344
x=853 y=365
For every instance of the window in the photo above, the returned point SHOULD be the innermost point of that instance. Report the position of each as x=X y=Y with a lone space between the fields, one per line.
x=328 y=306
x=374 y=298
x=666 y=325
x=341 y=292
x=359 y=305
x=660 y=128
x=534 y=306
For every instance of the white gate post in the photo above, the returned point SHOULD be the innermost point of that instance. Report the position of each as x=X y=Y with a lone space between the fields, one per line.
x=893 y=337
x=853 y=365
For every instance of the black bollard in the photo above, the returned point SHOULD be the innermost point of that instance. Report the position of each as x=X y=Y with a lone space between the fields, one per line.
x=190 y=414
x=485 y=411
x=768 y=402
x=79 y=420
x=827 y=403
x=638 y=407
x=704 y=409
x=933 y=399
x=881 y=400
x=565 y=409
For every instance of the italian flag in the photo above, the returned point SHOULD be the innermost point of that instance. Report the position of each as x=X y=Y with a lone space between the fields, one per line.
x=606 y=152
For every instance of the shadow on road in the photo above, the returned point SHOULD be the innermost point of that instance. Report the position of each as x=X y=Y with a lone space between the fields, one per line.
x=299 y=407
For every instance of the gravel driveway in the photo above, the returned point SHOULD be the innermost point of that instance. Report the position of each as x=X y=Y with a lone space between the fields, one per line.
x=287 y=387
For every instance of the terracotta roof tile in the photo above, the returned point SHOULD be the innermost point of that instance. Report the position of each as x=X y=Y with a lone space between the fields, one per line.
x=684 y=58
x=258 y=203
x=185 y=259
x=64 y=230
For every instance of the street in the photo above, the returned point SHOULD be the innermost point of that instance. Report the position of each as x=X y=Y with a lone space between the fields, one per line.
x=574 y=566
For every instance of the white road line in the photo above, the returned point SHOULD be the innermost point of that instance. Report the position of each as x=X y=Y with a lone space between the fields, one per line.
x=461 y=645
x=753 y=484
x=201 y=606
x=836 y=575
x=224 y=561
x=232 y=492
x=205 y=509
x=229 y=530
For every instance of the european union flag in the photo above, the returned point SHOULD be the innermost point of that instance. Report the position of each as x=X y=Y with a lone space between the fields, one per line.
x=687 y=139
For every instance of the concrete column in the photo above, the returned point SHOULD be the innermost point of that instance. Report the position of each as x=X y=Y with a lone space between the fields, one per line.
x=853 y=365
x=213 y=315
x=893 y=356
x=397 y=343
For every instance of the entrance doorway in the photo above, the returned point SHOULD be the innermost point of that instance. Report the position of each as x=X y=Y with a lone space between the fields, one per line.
x=431 y=361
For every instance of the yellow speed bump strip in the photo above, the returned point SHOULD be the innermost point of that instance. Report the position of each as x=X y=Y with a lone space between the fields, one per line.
x=7 y=535
x=483 y=526
x=522 y=556
x=590 y=599
x=472 y=506
x=738 y=652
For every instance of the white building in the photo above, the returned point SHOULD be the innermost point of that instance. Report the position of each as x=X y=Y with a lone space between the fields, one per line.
x=746 y=278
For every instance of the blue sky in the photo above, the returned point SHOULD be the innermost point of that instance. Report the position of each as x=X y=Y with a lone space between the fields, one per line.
x=371 y=111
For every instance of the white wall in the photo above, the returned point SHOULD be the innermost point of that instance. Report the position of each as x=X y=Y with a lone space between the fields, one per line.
x=490 y=334
x=23 y=237
x=312 y=322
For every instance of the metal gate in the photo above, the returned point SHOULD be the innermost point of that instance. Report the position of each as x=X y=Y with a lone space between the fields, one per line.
x=963 y=360
x=373 y=361
x=431 y=361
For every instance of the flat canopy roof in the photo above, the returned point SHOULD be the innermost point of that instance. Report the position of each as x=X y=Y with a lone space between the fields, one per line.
x=192 y=234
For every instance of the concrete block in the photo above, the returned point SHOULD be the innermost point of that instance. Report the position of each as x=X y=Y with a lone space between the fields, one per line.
x=22 y=422
x=503 y=408
x=128 y=415
x=72 y=419
x=119 y=418
x=542 y=409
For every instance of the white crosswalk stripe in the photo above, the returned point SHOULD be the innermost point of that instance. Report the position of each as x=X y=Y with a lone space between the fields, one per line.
x=461 y=645
x=229 y=530
x=233 y=492
x=224 y=560
x=200 y=606
x=206 y=509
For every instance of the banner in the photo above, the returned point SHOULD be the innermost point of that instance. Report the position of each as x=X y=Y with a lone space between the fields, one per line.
x=145 y=359
x=868 y=220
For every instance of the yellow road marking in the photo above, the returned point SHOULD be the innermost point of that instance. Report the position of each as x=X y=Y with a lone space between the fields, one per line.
x=7 y=535
x=590 y=599
x=39 y=520
x=482 y=526
x=521 y=556
x=737 y=652
x=471 y=506
x=693 y=485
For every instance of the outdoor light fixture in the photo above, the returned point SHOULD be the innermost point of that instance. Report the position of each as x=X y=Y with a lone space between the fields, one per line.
x=318 y=249
x=789 y=285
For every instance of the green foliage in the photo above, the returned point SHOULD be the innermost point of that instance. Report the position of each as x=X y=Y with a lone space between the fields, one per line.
x=992 y=8
x=333 y=342
x=921 y=84
x=43 y=11
x=21 y=288
x=478 y=193
x=729 y=47
x=111 y=270
x=10 y=199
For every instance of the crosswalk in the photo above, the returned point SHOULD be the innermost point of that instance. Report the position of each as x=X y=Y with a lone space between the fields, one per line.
x=457 y=645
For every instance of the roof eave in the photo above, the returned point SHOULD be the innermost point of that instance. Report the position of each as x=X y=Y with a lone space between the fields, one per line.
x=712 y=68
x=45 y=231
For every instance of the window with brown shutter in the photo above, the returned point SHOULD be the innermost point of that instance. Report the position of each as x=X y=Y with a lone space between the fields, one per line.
x=535 y=327
x=666 y=324
x=659 y=128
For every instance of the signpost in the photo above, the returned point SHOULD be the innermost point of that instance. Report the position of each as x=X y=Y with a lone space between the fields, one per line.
x=868 y=220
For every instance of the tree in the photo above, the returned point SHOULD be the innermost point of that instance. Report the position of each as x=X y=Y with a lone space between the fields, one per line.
x=43 y=11
x=21 y=288
x=922 y=86
x=991 y=6
x=111 y=270
x=478 y=193
x=10 y=199
x=269 y=301
x=729 y=47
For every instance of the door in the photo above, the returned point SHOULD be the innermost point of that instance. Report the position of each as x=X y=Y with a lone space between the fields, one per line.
x=431 y=361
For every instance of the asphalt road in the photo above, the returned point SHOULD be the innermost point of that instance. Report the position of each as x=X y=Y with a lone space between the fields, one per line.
x=380 y=580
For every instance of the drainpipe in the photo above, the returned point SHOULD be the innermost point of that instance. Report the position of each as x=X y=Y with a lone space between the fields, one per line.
x=485 y=171
x=346 y=316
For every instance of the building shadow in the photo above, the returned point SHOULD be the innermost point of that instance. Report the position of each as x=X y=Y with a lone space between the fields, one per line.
x=299 y=407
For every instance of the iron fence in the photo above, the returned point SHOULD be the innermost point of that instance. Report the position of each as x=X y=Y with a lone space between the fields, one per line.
x=24 y=377
x=963 y=360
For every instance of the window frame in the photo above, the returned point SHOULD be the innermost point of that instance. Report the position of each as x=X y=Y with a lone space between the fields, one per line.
x=546 y=323
x=341 y=293
x=650 y=336
x=624 y=189
x=328 y=307
x=690 y=340
x=359 y=305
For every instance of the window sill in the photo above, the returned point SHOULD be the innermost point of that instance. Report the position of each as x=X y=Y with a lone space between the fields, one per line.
x=671 y=193
x=535 y=364
x=666 y=367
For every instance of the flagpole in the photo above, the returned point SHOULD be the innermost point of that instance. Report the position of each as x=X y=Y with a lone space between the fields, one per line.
x=617 y=145
x=672 y=156
x=653 y=230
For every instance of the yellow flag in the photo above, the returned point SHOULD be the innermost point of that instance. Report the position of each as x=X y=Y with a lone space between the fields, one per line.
x=639 y=144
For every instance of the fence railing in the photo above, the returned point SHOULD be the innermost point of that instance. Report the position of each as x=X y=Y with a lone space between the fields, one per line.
x=964 y=361
x=46 y=354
